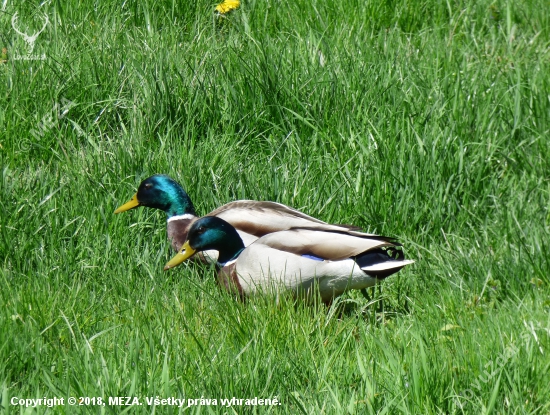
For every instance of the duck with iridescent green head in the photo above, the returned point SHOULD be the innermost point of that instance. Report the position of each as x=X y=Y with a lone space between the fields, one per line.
x=297 y=260
x=252 y=219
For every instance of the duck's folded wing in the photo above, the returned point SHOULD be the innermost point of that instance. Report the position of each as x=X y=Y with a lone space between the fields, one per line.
x=326 y=245
x=260 y=218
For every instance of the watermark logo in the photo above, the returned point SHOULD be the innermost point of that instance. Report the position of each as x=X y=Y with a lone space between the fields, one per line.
x=48 y=122
x=496 y=366
x=29 y=39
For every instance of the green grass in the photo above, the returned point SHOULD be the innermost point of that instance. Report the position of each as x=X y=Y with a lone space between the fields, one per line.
x=424 y=120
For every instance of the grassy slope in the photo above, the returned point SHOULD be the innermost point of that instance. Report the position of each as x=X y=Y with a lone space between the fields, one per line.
x=420 y=120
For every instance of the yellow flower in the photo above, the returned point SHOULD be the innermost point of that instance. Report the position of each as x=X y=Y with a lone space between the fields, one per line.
x=227 y=5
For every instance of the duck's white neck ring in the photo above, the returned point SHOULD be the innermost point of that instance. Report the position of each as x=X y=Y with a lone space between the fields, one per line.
x=181 y=217
x=227 y=263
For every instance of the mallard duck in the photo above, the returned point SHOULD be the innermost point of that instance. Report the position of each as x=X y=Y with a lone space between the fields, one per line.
x=251 y=218
x=296 y=259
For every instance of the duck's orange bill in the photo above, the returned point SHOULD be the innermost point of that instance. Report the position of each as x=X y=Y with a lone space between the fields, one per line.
x=133 y=203
x=184 y=253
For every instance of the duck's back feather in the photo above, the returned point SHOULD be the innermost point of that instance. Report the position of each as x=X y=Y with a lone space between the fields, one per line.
x=328 y=245
x=260 y=218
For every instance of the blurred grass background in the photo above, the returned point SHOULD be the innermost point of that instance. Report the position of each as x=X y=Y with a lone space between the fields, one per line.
x=423 y=120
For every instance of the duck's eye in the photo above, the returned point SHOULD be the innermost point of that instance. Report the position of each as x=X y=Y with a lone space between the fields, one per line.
x=200 y=229
x=148 y=185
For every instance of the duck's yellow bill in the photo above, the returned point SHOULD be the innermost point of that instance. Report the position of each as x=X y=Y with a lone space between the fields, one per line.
x=184 y=253
x=133 y=203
